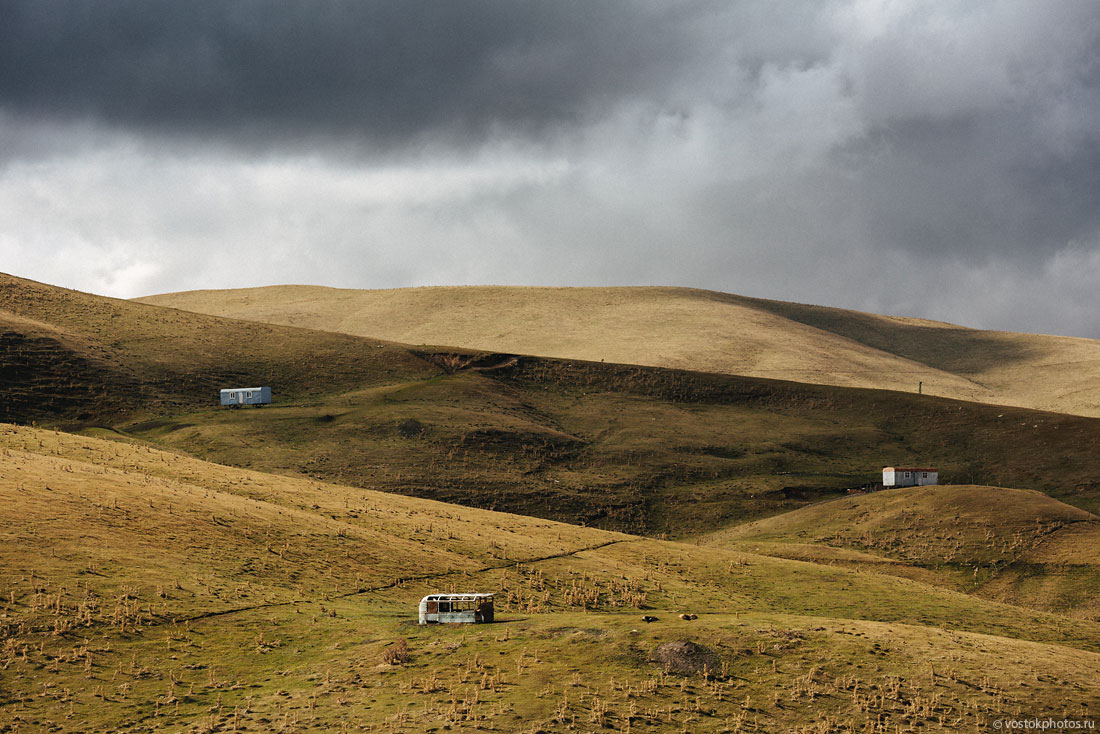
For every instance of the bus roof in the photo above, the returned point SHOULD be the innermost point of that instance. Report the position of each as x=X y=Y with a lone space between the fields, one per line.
x=455 y=597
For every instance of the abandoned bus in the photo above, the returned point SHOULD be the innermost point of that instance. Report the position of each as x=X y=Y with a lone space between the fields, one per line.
x=456 y=608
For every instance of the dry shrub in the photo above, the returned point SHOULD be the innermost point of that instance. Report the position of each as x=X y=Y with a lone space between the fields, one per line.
x=397 y=653
x=685 y=657
x=409 y=428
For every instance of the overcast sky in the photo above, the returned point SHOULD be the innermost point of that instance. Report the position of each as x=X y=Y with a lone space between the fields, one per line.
x=925 y=158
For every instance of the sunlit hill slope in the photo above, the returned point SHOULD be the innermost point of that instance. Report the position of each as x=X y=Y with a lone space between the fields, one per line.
x=639 y=449
x=697 y=330
x=1011 y=545
x=67 y=355
x=143 y=590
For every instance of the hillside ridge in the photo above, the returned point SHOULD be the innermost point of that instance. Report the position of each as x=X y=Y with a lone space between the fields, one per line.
x=701 y=330
x=181 y=594
x=1012 y=545
x=649 y=450
x=169 y=564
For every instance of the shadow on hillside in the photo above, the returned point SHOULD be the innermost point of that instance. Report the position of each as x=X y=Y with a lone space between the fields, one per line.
x=954 y=349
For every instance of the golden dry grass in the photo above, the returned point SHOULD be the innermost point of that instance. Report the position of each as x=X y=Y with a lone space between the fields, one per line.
x=694 y=329
x=628 y=448
x=68 y=356
x=1012 y=545
x=143 y=590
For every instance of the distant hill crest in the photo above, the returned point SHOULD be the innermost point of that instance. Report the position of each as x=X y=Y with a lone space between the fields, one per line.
x=693 y=329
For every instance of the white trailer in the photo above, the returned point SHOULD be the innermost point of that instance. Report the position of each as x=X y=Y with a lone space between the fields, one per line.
x=908 y=476
x=235 y=397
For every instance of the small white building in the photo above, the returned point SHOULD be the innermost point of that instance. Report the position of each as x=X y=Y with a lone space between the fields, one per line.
x=235 y=397
x=908 y=476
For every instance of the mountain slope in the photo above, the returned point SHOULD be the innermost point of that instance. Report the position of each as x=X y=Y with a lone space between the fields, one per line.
x=145 y=590
x=694 y=329
x=66 y=355
x=637 y=449
x=629 y=448
x=1005 y=544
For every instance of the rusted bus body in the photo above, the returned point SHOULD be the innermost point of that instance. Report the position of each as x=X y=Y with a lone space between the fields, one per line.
x=456 y=609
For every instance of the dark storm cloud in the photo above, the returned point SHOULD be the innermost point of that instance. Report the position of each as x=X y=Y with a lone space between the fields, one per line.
x=972 y=189
x=982 y=136
x=381 y=71
x=816 y=150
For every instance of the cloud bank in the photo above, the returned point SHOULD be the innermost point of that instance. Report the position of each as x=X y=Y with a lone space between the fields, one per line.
x=937 y=159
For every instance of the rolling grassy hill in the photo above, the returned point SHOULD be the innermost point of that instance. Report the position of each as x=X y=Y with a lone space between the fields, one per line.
x=696 y=330
x=66 y=355
x=636 y=449
x=144 y=590
x=630 y=448
x=1011 y=545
